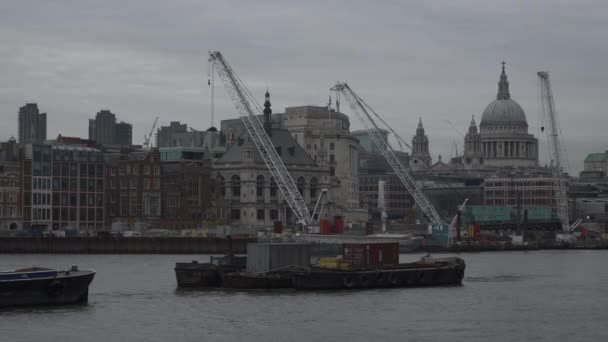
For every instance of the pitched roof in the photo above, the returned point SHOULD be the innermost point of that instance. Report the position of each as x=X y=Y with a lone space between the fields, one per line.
x=280 y=139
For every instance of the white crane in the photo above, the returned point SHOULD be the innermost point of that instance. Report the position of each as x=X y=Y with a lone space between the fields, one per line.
x=149 y=135
x=557 y=152
x=363 y=112
x=247 y=107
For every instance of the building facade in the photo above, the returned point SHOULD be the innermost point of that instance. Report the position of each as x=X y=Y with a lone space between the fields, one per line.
x=31 y=124
x=595 y=165
x=245 y=193
x=10 y=209
x=186 y=193
x=77 y=191
x=537 y=191
x=365 y=140
x=325 y=136
x=134 y=188
x=124 y=134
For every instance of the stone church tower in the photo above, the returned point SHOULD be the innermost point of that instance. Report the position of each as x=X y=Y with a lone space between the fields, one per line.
x=420 y=159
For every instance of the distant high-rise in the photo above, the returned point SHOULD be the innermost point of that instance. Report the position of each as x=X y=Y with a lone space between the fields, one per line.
x=124 y=133
x=105 y=131
x=105 y=127
x=32 y=124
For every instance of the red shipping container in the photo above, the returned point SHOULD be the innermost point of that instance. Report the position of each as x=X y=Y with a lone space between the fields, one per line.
x=371 y=255
x=339 y=225
x=324 y=228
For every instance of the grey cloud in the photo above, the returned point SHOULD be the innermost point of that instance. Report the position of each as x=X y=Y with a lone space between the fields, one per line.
x=439 y=60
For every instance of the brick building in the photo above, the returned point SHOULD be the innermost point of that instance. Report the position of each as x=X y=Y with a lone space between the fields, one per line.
x=133 y=188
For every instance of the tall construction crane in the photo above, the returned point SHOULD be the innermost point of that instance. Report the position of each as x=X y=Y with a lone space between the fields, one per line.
x=364 y=113
x=557 y=151
x=149 y=135
x=247 y=107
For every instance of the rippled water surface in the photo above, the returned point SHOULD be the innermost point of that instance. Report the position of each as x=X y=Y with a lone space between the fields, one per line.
x=511 y=296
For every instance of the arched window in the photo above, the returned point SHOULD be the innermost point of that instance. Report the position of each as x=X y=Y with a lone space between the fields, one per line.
x=314 y=186
x=235 y=184
x=259 y=189
x=301 y=183
x=273 y=188
x=220 y=187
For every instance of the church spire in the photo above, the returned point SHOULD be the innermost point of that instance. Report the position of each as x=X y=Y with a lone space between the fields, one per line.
x=267 y=113
x=503 y=85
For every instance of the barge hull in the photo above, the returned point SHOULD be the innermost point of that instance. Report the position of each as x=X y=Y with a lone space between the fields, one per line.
x=407 y=276
x=64 y=289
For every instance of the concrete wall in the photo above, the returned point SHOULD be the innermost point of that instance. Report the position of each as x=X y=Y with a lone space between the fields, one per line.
x=140 y=245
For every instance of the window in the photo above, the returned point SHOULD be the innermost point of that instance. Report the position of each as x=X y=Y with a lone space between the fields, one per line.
x=236 y=185
x=301 y=184
x=273 y=188
x=172 y=201
x=156 y=184
x=313 y=188
x=146 y=170
x=123 y=183
x=146 y=183
x=235 y=214
x=133 y=183
x=332 y=158
x=113 y=171
x=156 y=170
x=135 y=170
x=331 y=146
x=274 y=214
x=260 y=214
x=332 y=171
x=221 y=185
x=259 y=190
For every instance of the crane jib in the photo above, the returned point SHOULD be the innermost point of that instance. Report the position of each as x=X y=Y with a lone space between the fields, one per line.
x=243 y=101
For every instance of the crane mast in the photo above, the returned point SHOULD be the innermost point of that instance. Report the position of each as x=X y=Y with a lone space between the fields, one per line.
x=362 y=111
x=247 y=107
x=149 y=135
x=555 y=148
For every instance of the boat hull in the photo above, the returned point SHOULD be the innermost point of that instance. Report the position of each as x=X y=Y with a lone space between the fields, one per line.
x=64 y=288
x=448 y=272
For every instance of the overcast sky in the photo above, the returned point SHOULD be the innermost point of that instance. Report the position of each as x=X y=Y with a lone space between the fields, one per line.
x=439 y=60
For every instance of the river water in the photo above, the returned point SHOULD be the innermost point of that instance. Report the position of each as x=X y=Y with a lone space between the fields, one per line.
x=506 y=296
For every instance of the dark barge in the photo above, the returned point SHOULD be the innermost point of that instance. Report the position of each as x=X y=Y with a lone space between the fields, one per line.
x=426 y=272
x=44 y=286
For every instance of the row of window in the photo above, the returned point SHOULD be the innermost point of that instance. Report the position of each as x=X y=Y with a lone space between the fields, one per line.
x=72 y=170
x=235 y=214
x=547 y=183
x=86 y=184
x=8 y=196
x=41 y=183
x=9 y=211
x=134 y=170
x=9 y=183
x=132 y=184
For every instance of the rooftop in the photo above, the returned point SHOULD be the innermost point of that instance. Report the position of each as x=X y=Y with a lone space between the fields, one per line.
x=597 y=157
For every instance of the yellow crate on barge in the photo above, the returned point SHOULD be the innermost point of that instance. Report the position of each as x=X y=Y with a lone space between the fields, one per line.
x=334 y=263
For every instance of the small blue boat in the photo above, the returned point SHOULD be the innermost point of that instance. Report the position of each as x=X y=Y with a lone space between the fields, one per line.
x=44 y=286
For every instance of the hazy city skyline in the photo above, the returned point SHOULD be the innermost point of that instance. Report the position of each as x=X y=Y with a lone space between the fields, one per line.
x=439 y=61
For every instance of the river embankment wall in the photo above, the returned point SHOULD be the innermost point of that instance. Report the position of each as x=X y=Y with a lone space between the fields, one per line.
x=132 y=245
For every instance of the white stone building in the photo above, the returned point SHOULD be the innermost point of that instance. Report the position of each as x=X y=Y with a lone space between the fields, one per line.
x=245 y=193
x=503 y=139
x=325 y=135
